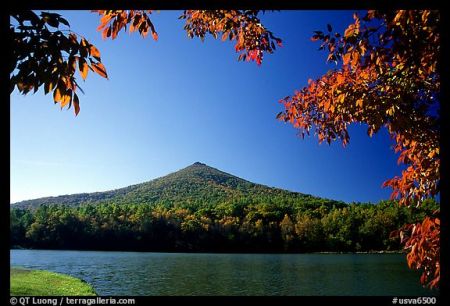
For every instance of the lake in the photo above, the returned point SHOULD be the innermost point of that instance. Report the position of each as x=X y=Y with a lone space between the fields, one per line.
x=136 y=273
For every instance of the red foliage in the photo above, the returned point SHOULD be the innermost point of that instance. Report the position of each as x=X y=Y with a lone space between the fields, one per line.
x=423 y=245
x=244 y=27
x=112 y=22
x=389 y=78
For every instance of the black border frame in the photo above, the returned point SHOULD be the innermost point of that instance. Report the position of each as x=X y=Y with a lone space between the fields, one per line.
x=224 y=4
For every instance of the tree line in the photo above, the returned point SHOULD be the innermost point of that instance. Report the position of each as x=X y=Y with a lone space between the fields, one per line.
x=233 y=226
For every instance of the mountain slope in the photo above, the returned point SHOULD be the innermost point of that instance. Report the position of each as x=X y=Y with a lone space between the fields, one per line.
x=196 y=185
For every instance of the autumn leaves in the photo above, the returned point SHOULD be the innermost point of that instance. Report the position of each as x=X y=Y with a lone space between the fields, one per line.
x=45 y=55
x=388 y=78
x=112 y=22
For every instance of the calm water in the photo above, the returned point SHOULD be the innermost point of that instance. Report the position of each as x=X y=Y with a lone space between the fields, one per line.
x=129 y=273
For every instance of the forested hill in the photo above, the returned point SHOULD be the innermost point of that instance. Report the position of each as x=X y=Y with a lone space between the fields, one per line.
x=200 y=208
x=195 y=186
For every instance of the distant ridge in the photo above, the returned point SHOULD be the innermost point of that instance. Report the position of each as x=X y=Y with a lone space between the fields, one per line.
x=196 y=184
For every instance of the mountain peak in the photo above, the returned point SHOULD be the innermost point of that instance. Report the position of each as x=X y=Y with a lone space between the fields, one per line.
x=199 y=164
x=197 y=184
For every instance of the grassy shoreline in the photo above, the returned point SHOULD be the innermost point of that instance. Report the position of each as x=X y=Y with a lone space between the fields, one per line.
x=28 y=282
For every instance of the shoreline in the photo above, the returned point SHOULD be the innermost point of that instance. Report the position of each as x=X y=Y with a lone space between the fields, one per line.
x=213 y=252
x=36 y=282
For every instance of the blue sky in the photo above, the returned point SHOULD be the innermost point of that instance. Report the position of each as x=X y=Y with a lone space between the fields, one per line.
x=170 y=103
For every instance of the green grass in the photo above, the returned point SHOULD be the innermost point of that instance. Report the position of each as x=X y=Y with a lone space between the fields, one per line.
x=39 y=282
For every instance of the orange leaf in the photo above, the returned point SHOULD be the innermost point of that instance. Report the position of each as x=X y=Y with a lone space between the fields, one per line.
x=94 y=52
x=224 y=36
x=114 y=33
x=355 y=58
x=349 y=31
x=57 y=95
x=76 y=104
x=105 y=33
x=100 y=69
x=65 y=99
x=346 y=58
x=83 y=67
x=155 y=36
x=104 y=20
x=423 y=278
